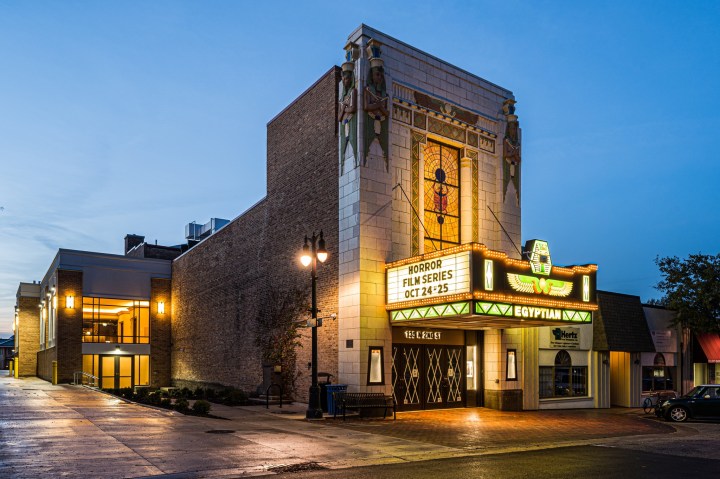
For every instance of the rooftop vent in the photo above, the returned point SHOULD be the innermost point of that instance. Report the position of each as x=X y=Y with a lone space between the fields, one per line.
x=197 y=232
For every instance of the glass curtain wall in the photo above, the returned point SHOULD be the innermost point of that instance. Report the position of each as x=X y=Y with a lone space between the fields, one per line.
x=116 y=321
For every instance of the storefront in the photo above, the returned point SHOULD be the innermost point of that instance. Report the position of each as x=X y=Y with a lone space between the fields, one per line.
x=455 y=317
x=706 y=358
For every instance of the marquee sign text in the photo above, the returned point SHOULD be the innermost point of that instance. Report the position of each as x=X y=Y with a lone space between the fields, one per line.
x=432 y=278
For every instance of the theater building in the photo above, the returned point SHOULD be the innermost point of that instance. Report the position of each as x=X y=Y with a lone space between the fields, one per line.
x=412 y=169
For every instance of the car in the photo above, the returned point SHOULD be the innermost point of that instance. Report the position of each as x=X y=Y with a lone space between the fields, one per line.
x=702 y=402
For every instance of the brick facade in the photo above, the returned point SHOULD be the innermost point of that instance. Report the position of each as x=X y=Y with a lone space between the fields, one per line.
x=27 y=334
x=218 y=284
x=160 y=337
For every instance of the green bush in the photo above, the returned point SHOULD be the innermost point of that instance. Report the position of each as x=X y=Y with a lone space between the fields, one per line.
x=182 y=405
x=199 y=393
x=201 y=406
x=141 y=393
x=166 y=403
x=154 y=398
x=126 y=393
x=235 y=397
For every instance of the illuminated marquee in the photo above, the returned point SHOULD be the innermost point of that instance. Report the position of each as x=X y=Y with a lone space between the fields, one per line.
x=433 y=278
x=472 y=280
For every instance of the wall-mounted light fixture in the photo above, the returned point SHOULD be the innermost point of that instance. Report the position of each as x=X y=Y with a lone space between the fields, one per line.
x=70 y=302
x=161 y=307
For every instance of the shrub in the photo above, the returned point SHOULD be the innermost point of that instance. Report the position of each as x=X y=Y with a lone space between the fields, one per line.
x=235 y=397
x=126 y=393
x=141 y=394
x=182 y=405
x=199 y=393
x=166 y=403
x=154 y=398
x=201 y=406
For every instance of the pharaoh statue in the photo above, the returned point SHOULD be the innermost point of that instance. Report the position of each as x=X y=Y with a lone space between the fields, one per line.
x=347 y=114
x=511 y=150
x=375 y=104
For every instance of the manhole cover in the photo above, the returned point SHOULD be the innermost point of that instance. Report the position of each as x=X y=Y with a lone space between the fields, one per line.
x=305 y=466
x=220 y=431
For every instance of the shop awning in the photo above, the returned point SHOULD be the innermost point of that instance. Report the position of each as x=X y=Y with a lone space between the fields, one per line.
x=710 y=344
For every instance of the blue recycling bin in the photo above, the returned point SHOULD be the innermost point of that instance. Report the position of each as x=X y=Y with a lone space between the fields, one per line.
x=333 y=388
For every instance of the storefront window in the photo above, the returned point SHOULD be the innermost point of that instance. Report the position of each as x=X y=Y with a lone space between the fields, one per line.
x=116 y=321
x=442 y=197
x=563 y=379
x=117 y=371
x=658 y=377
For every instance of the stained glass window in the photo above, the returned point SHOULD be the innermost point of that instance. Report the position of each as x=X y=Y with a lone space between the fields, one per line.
x=442 y=196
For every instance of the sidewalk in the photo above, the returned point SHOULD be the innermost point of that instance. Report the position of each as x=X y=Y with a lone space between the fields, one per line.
x=51 y=431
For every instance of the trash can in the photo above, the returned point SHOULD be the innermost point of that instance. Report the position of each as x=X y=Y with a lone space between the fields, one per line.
x=330 y=389
x=323 y=382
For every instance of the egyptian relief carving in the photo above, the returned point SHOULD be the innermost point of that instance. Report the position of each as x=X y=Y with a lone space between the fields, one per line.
x=511 y=150
x=376 y=106
x=347 y=111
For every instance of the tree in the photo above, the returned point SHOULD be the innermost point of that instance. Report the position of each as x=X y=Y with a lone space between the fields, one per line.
x=277 y=334
x=691 y=288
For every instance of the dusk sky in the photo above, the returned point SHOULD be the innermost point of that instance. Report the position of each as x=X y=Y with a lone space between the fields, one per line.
x=140 y=117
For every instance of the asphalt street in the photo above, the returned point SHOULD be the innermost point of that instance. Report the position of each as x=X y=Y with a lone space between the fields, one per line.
x=587 y=462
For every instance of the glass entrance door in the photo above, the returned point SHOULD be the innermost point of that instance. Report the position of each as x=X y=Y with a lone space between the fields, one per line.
x=116 y=372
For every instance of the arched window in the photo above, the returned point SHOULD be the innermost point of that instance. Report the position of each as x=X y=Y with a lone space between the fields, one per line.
x=659 y=360
x=562 y=358
x=441 y=180
x=563 y=379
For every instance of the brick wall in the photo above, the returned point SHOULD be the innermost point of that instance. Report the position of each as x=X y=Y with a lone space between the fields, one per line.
x=217 y=284
x=214 y=289
x=69 y=326
x=28 y=335
x=303 y=193
x=160 y=332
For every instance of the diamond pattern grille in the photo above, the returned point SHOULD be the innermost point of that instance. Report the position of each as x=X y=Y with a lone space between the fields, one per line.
x=455 y=381
x=434 y=375
x=437 y=311
x=412 y=381
x=394 y=374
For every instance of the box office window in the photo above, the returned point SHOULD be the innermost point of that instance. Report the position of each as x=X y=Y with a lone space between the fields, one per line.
x=116 y=321
x=563 y=379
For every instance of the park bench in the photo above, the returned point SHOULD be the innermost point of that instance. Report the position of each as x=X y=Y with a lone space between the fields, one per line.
x=345 y=400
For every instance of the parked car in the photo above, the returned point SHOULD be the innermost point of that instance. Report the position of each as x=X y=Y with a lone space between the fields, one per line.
x=702 y=402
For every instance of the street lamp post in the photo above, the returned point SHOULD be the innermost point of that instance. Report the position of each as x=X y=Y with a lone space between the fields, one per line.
x=311 y=254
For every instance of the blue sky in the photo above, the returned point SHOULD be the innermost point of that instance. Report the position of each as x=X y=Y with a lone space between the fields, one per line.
x=140 y=117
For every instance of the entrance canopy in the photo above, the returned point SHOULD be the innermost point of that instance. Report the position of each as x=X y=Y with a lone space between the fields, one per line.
x=473 y=287
x=710 y=344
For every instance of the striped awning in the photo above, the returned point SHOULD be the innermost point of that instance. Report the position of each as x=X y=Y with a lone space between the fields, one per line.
x=710 y=344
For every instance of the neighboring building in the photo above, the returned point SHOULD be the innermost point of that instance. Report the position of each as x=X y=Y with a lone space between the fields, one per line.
x=7 y=347
x=417 y=191
x=706 y=358
x=27 y=329
x=622 y=338
x=106 y=315
x=667 y=368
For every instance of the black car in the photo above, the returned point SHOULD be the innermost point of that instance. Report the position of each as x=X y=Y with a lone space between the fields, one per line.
x=702 y=402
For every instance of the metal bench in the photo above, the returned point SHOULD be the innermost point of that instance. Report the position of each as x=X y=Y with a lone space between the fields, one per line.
x=345 y=400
